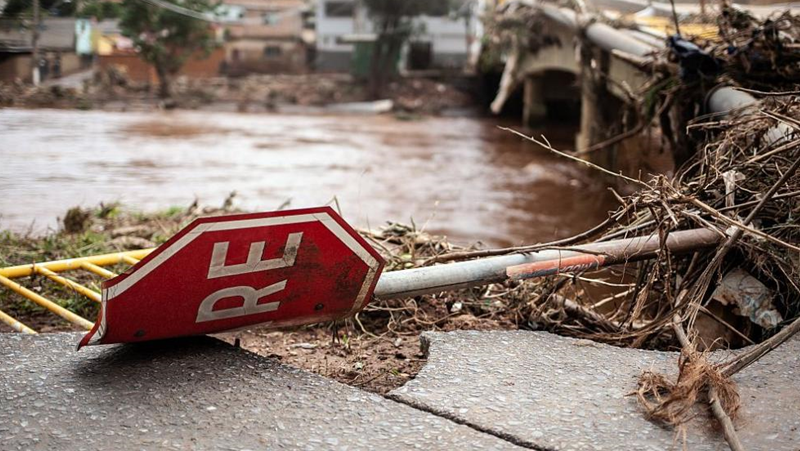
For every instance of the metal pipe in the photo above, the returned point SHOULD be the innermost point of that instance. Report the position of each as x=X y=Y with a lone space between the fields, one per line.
x=129 y=260
x=15 y=324
x=609 y=38
x=88 y=292
x=46 y=303
x=655 y=40
x=436 y=279
x=12 y=272
x=37 y=26
x=100 y=271
x=724 y=99
x=606 y=37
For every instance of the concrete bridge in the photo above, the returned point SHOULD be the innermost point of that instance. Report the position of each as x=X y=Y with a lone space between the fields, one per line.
x=604 y=69
x=589 y=61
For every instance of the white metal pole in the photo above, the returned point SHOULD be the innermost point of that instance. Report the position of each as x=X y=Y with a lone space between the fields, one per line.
x=436 y=279
x=35 y=75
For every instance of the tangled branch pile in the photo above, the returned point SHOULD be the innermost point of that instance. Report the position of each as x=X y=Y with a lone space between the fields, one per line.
x=734 y=182
x=737 y=175
x=740 y=292
x=759 y=54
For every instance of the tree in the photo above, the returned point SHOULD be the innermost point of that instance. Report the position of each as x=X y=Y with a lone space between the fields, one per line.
x=100 y=10
x=393 y=25
x=166 y=38
x=19 y=9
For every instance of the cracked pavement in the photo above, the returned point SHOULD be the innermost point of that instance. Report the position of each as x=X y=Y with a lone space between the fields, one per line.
x=479 y=390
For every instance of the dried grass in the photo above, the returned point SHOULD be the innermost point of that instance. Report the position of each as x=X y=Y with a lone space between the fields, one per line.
x=673 y=403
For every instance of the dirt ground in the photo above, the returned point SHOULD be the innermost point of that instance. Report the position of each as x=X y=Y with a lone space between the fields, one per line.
x=374 y=363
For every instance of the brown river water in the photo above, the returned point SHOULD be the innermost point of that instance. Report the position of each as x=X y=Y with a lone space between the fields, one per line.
x=456 y=176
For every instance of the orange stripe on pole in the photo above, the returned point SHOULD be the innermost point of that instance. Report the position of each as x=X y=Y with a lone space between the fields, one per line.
x=548 y=267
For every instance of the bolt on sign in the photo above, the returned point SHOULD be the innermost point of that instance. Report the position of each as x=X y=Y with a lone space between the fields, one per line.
x=279 y=269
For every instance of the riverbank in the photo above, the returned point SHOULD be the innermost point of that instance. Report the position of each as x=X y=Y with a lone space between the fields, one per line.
x=113 y=91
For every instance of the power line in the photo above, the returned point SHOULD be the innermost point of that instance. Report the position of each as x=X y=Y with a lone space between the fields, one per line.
x=207 y=17
x=212 y=18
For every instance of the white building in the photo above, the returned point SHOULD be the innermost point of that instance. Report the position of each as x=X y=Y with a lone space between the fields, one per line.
x=442 y=42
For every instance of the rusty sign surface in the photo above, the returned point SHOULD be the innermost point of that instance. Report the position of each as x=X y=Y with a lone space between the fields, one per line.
x=222 y=273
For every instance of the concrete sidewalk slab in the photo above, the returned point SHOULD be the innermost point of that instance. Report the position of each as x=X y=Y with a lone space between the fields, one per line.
x=550 y=392
x=196 y=393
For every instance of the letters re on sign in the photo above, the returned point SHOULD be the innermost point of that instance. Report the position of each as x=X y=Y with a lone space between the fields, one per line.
x=222 y=273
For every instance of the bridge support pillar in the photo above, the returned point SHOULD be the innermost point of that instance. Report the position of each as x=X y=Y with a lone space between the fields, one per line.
x=589 y=115
x=601 y=113
x=534 y=110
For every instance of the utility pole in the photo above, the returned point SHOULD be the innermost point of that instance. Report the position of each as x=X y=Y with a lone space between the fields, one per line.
x=35 y=38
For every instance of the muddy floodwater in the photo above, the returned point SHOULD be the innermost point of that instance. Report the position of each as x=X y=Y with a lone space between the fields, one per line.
x=460 y=176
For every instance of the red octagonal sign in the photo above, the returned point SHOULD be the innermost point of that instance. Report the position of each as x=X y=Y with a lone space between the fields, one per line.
x=280 y=269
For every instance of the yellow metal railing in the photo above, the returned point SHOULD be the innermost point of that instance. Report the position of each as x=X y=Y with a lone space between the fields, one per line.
x=665 y=25
x=52 y=270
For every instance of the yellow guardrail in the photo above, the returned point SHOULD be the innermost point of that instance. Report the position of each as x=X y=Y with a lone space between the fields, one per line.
x=708 y=31
x=52 y=270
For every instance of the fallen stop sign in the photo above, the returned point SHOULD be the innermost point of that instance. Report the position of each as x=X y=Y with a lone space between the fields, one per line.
x=222 y=273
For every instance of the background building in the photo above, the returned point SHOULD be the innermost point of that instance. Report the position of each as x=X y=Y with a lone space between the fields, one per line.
x=442 y=42
x=56 y=49
x=265 y=36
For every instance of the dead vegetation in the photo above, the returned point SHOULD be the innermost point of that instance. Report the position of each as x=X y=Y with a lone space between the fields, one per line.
x=735 y=173
x=758 y=54
x=738 y=181
x=673 y=403
x=743 y=183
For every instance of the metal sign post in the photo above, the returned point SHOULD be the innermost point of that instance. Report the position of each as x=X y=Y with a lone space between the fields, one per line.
x=436 y=279
x=288 y=268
